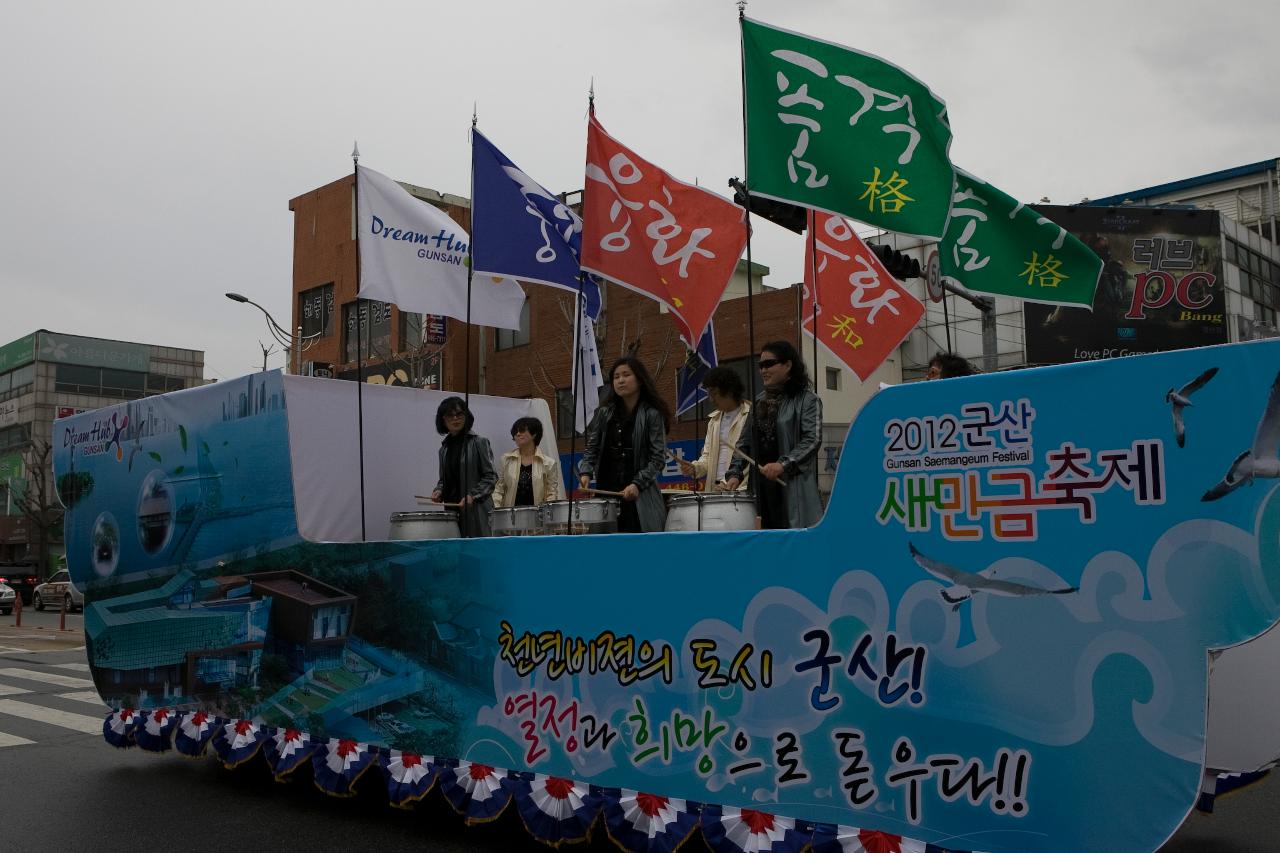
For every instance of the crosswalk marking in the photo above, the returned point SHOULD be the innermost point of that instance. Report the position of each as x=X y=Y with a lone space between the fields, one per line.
x=10 y=690
x=79 y=667
x=52 y=716
x=89 y=696
x=13 y=740
x=46 y=677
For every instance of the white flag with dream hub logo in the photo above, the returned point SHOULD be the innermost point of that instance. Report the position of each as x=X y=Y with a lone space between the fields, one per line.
x=414 y=255
x=591 y=377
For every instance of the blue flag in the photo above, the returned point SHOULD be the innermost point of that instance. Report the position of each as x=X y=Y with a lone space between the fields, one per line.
x=689 y=376
x=520 y=230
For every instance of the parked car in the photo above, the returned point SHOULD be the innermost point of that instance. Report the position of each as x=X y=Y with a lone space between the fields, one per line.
x=7 y=599
x=22 y=577
x=57 y=591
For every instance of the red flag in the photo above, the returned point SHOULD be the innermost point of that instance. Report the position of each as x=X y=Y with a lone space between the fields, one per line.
x=863 y=312
x=649 y=232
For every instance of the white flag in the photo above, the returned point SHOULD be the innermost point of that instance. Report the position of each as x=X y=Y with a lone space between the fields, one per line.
x=413 y=254
x=591 y=377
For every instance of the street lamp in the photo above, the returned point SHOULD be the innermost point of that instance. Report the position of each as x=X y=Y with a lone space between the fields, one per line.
x=295 y=342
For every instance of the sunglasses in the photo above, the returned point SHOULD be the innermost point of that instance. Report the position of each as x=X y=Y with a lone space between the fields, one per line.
x=766 y=363
x=451 y=415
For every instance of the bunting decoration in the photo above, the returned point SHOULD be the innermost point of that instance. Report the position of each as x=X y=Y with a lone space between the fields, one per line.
x=995 y=244
x=236 y=741
x=838 y=130
x=155 y=734
x=734 y=830
x=119 y=727
x=648 y=823
x=556 y=810
x=286 y=751
x=663 y=238
x=339 y=763
x=864 y=313
x=193 y=733
x=409 y=777
x=478 y=792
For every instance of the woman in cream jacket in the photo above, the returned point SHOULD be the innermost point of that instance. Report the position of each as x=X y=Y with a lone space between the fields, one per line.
x=526 y=476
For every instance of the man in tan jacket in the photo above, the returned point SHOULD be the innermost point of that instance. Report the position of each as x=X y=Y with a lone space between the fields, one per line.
x=724 y=392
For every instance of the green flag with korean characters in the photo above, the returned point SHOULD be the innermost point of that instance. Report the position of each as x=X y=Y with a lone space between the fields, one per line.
x=844 y=132
x=995 y=244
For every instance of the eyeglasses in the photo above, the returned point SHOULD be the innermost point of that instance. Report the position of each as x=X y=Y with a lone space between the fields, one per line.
x=766 y=363
x=452 y=415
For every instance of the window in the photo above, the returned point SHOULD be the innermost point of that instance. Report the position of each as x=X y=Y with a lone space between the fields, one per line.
x=564 y=413
x=374 y=334
x=410 y=332
x=315 y=310
x=833 y=379
x=508 y=338
x=13 y=436
x=740 y=366
x=101 y=381
x=158 y=384
x=17 y=380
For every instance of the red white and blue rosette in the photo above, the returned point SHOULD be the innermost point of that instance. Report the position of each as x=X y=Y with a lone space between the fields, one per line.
x=828 y=838
x=409 y=777
x=733 y=830
x=478 y=792
x=236 y=741
x=648 y=823
x=155 y=734
x=193 y=733
x=339 y=763
x=287 y=750
x=555 y=809
x=119 y=727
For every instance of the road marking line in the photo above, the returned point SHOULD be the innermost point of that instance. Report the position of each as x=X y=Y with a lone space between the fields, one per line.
x=90 y=696
x=13 y=740
x=46 y=677
x=9 y=690
x=52 y=716
x=79 y=667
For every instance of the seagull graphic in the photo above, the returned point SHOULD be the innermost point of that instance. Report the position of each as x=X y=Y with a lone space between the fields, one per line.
x=964 y=585
x=1181 y=398
x=1260 y=460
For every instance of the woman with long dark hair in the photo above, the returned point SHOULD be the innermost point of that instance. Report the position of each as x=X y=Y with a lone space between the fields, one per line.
x=466 y=467
x=783 y=438
x=627 y=446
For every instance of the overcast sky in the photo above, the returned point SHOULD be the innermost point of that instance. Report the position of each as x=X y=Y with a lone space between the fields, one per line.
x=151 y=148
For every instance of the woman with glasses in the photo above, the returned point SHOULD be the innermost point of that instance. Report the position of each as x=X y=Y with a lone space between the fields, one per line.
x=466 y=468
x=526 y=476
x=627 y=446
x=783 y=437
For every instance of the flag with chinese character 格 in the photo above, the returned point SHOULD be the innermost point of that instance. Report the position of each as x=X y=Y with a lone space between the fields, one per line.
x=864 y=313
x=520 y=229
x=994 y=244
x=843 y=131
x=671 y=241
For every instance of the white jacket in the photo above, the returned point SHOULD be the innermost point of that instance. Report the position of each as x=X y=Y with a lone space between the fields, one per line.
x=705 y=465
x=546 y=479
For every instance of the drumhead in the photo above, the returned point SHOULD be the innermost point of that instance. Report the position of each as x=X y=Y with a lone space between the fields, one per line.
x=722 y=498
x=423 y=515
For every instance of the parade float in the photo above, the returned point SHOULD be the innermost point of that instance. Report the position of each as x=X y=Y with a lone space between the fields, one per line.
x=1000 y=636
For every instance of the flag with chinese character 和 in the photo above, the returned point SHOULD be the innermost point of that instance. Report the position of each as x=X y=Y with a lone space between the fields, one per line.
x=845 y=132
x=520 y=229
x=863 y=311
x=994 y=244
x=671 y=241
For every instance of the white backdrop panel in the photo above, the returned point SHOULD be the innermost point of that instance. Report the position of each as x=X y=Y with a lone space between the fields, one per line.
x=400 y=450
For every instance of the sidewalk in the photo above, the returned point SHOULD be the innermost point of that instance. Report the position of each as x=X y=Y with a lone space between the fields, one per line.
x=36 y=638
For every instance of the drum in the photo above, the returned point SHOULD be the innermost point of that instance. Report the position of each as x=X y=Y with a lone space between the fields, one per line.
x=515 y=521
x=429 y=524
x=720 y=511
x=598 y=515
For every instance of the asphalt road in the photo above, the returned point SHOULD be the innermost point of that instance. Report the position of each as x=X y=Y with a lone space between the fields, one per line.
x=63 y=788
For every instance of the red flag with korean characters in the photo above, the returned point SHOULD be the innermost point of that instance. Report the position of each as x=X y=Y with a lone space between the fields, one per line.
x=863 y=311
x=647 y=231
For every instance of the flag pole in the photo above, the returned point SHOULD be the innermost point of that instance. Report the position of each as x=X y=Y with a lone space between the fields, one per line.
x=576 y=357
x=813 y=270
x=466 y=380
x=746 y=197
x=355 y=177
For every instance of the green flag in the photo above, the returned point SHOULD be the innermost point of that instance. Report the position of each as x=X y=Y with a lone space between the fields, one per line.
x=844 y=132
x=995 y=244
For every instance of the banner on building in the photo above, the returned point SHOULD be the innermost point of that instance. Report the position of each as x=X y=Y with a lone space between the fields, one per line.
x=17 y=353
x=413 y=255
x=671 y=241
x=1160 y=288
x=842 y=131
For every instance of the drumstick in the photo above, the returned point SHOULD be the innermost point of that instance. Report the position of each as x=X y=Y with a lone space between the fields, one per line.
x=425 y=499
x=604 y=492
x=779 y=481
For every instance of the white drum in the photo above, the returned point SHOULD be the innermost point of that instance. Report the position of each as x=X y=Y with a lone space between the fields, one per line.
x=430 y=524
x=515 y=521
x=597 y=515
x=720 y=511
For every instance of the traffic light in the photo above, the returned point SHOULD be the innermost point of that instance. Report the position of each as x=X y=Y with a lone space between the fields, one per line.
x=901 y=266
x=788 y=216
